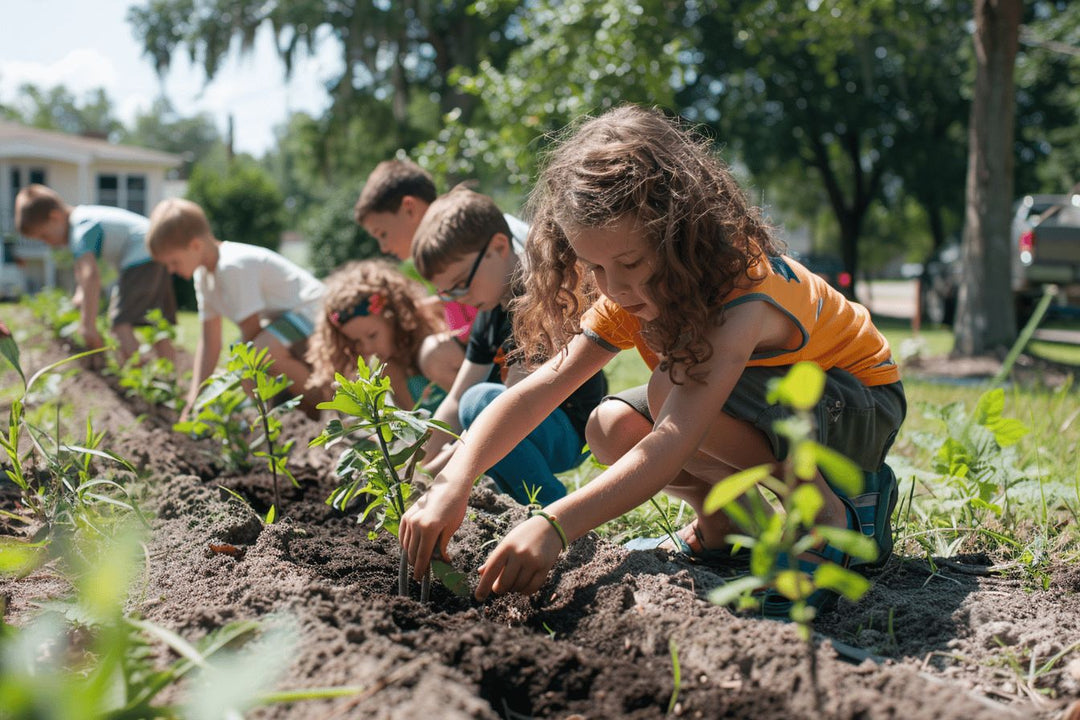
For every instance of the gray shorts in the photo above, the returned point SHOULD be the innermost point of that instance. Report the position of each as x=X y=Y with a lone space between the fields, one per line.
x=140 y=289
x=859 y=421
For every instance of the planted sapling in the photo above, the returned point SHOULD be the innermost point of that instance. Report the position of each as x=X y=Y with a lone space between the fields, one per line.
x=247 y=374
x=777 y=539
x=152 y=379
x=379 y=463
x=56 y=479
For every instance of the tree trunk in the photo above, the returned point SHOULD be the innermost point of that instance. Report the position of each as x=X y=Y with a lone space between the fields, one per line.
x=985 y=315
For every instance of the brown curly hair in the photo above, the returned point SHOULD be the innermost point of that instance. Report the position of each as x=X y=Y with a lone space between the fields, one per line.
x=330 y=351
x=636 y=162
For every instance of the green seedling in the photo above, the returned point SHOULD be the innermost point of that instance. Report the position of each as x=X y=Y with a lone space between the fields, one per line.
x=380 y=458
x=56 y=479
x=55 y=309
x=218 y=413
x=83 y=657
x=772 y=536
x=152 y=379
x=247 y=374
x=676 y=675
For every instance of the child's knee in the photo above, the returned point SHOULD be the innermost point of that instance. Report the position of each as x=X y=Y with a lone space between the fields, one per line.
x=475 y=399
x=613 y=428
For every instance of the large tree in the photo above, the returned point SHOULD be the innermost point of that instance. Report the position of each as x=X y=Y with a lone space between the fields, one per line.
x=985 y=315
x=390 y=51
x=851 y=91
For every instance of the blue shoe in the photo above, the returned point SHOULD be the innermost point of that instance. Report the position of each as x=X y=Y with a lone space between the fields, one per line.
x=776 y=606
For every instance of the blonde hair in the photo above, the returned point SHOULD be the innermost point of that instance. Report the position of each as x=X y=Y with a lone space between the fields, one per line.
x=174 y=223
x=637 y=163
x=33 y=205
x=458 y=223
x=381 y=289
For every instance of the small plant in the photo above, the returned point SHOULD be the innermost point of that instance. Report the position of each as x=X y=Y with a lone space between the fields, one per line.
x=777 y=539
x=56 y=480
x=381 y=460
x=248 y=371
x=152 y=379
x=55 y=309
x=83 y=657
x=219 y=414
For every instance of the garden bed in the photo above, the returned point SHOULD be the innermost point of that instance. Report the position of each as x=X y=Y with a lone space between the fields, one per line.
x=944 y=639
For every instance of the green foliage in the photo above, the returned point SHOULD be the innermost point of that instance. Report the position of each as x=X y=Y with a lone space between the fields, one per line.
x=977 y=459
x=381 y=458
x=55 y=309
x=57 y=108
x=219 y=414
x=152 y=379
x=83 y=657
x=58 y=483
x=771 y=536
x=243 y=204
x=247 y=374
x=162 y=128
x=333 y=236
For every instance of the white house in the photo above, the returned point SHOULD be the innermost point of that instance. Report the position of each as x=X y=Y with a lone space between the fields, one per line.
x=85 y=171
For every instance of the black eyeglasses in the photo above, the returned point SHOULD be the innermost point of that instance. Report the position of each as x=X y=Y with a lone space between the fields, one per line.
x=462 y=288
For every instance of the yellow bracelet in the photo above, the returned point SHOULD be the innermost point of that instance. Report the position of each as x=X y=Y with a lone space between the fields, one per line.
x=555 y=524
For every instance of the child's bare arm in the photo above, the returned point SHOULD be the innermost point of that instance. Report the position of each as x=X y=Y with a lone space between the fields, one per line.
x=523 y=559
x=207 y=352
x=89 y=280
x=499 y=428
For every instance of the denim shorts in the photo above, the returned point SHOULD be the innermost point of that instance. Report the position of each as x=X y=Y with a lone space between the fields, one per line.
x=858 y=421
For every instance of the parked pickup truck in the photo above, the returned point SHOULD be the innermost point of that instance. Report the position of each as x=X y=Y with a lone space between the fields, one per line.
x=1045 y=250
x=1046 y=243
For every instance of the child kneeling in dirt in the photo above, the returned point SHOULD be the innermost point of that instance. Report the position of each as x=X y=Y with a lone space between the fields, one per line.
x=372 y=310
x=115 y=236
x=637 y=208
x=273 y=301
x=465 y=247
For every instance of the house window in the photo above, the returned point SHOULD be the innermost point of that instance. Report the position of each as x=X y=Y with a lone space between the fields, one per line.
x=125 y=191
x=136 y=194
x=108 y=190
x=17 y=175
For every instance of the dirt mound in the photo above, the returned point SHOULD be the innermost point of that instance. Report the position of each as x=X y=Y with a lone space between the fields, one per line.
x=596 y=642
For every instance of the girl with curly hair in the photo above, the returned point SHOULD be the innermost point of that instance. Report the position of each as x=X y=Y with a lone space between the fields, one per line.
x=642 y=239
x=371 y=309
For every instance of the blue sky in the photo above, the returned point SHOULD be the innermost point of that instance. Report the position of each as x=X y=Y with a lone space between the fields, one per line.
x=85 y=44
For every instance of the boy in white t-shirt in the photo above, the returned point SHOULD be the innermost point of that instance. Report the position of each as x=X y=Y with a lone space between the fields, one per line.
x=273 y=301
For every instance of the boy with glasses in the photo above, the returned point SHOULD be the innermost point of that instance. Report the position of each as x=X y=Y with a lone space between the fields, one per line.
x=395 y=197
x=465 y=247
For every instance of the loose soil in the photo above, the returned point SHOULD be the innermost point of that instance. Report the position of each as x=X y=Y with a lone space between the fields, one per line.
x=595 y=642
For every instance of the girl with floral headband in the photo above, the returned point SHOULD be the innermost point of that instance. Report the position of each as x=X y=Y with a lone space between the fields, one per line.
x=372 y=310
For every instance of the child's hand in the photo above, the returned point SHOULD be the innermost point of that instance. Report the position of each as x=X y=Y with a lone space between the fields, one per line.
x=522 y=561
x=427 y=526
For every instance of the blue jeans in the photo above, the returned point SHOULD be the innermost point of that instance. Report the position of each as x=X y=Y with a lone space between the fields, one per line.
x=553 y=447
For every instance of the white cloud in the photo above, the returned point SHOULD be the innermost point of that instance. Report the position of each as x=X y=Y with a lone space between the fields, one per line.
x=79 y=70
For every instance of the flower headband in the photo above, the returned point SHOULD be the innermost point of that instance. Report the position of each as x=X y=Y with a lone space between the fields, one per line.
x=371 y=305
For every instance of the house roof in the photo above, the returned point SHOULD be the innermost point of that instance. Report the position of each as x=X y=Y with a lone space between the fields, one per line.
x=21 y=141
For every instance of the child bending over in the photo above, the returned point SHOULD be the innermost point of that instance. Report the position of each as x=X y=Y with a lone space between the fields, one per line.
x=642 y=239
x=115 y=236
x=372 y=309
x=273 y=301
x=467 y=249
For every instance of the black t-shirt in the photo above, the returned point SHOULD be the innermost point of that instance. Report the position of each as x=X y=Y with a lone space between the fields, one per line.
x=492 y=338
